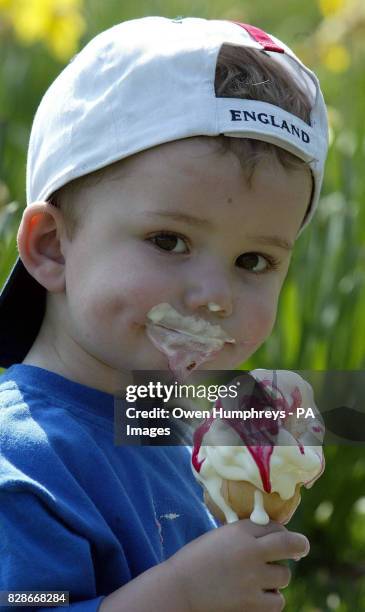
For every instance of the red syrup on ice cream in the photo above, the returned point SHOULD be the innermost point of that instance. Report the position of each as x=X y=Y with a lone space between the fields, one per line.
x=258 y=434
x=198 y=436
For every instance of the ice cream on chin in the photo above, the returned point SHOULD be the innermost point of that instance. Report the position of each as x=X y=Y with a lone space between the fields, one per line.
x=187 y=342
x=256 y=468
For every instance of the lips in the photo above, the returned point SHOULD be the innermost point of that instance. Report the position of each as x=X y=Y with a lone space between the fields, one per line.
x=187 y=342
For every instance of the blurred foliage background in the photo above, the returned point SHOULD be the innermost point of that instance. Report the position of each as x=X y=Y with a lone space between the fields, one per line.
x=321 y=319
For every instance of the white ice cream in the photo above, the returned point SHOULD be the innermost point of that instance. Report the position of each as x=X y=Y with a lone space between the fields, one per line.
x=297 y=457
x=187 y=342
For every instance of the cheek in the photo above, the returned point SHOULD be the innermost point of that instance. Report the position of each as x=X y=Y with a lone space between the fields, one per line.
x=122 y=289
x=259 y=308
x=254 y=325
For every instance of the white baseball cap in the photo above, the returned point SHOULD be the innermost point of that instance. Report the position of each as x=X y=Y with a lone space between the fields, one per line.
x=137 y=85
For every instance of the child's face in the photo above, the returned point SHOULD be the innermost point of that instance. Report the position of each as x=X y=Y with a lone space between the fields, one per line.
x=118 y=266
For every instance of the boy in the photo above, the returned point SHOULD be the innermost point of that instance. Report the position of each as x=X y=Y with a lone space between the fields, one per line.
x=156 y=174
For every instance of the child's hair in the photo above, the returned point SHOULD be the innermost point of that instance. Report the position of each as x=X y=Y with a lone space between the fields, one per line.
x=240 y=73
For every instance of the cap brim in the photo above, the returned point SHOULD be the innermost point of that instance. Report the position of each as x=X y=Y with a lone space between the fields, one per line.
x=22 y=308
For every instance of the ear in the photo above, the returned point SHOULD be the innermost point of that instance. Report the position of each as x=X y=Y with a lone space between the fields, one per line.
x=41 y=241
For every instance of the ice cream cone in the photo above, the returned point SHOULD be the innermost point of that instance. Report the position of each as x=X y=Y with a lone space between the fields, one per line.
x=239 y=495
x=256 y=469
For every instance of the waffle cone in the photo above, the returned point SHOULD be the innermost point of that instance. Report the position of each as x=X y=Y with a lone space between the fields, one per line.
x=239 y=495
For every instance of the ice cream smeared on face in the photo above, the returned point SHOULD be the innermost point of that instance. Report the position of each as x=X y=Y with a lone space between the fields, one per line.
x=187 y=342
x=273 y=456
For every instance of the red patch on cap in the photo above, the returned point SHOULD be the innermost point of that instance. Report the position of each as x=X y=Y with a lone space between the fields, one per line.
x=261 y=37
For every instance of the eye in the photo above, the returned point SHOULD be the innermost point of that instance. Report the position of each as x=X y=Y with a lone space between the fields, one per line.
x=256 y=263
x=168 y=241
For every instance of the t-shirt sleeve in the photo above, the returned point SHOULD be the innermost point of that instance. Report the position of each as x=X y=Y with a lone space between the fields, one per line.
x=40 y=553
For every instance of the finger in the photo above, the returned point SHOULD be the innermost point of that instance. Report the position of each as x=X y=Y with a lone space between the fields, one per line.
x=272 y=602
x=285 y=545
x=258 y=531
x=275 y=576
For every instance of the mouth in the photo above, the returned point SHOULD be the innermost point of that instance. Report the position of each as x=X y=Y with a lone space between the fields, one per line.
x=201 y=337
x=187 y=342
x=165 y=316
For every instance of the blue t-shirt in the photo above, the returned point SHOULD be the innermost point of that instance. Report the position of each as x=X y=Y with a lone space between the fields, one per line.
x=78 y=513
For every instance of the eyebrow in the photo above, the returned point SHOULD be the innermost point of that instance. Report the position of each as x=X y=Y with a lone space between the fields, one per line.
x=182 y=217
x=276 y=241
x=199 y=223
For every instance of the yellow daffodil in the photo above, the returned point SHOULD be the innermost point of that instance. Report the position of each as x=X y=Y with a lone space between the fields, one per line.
x=331 y=7
x=336 y=58
x=58 y=23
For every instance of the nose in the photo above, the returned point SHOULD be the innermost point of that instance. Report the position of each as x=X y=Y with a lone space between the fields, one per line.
x=209 y=287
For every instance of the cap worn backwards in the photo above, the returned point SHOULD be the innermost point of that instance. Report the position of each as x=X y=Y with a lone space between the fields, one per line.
x=137 y=85
x=97 y=111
